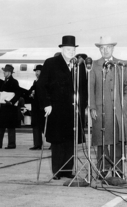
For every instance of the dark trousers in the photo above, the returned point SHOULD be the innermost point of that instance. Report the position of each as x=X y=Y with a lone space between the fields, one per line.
x=109 y=156
x=37 y=136
x=11 y=137
x=61 y=153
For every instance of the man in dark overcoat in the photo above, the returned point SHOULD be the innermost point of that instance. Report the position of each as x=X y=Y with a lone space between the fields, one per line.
x=37 y=115
x=56 y=95
x=8 y=111
x=103 y=126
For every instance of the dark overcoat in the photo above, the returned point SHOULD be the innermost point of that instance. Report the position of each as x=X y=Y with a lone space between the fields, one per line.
x=37 y=115
x=9 y=114
x=96 y=98
x=55 y=88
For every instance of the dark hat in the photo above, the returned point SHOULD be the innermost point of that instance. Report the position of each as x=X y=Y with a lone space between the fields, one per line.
x=8 y=68
x=38 y=67
x=68 y=41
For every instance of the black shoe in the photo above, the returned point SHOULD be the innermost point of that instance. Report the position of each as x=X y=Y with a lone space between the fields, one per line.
x=56 y=177
x=35 y=148
x=10 y=147
x=69 y=176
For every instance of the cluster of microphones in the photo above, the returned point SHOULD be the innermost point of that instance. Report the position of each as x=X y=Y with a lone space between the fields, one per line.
x=88 y=62
x=110 y=64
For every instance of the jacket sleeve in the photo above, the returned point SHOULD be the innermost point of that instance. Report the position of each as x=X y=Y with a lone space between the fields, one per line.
x=16 y=91
x=42 y=86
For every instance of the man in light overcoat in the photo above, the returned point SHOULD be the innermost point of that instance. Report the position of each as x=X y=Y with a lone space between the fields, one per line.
x=103 y=106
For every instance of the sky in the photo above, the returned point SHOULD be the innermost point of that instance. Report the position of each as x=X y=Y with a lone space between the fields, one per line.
x=42 y=23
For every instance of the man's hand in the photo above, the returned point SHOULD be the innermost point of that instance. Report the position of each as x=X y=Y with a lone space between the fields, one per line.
x=23 y=110
x=93 y=114
x=48 y=110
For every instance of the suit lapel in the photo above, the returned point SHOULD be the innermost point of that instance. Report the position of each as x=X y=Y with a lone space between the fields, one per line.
x=62 y=64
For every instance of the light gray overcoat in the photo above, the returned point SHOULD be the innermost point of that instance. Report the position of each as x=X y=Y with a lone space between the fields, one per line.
x=110 y=106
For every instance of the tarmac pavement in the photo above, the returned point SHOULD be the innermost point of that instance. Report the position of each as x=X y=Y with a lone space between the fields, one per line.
x=19 y=186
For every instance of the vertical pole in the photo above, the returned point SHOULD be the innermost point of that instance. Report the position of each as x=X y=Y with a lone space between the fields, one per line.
x=76 y=97
x=122 y=122
x=89 y=138
x=114 y=120
x=103 y=120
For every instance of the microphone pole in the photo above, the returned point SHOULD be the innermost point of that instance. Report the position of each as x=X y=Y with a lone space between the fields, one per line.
x=76 y=100
x=105 y=70
x=114 y=121
x=89 y=65
x=122 y=119
x=123 y=153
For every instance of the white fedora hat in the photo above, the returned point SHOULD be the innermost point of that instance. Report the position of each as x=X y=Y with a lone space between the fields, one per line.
x=105 y=41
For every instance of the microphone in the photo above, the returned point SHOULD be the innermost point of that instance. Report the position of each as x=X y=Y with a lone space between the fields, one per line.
x=74 y=60
x=77 y=61
x=108 y=64
x=88 y=63
x=121 y=64
x=80 y=60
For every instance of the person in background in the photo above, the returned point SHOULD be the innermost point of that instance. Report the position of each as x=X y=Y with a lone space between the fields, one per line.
x=106 y=47
x=8 y=110
x=36 y=114
x=56 y=96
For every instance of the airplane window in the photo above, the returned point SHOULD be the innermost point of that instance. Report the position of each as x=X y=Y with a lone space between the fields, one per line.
x=23 y=67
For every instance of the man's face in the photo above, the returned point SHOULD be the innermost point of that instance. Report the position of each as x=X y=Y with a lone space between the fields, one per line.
x=68 y=52
x=37 y=73
x=7 y=74
x=106 y=51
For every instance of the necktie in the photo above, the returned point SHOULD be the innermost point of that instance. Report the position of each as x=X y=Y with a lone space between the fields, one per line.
x=69 y=66
x=6 y=79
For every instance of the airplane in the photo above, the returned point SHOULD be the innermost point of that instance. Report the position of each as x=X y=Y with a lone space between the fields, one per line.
x=24 y=60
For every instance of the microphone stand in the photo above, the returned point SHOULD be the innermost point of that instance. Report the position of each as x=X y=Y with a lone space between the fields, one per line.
x=114 y=120
x=89 y=136
x=122 y=126
x=78 y=182
x=90 y=163
x=104 y=156
x=103 y=116
x=115 y=167
x=123 y=151
x=76 y=105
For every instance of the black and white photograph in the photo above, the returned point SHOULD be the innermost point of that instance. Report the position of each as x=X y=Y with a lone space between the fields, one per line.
x=63 y=103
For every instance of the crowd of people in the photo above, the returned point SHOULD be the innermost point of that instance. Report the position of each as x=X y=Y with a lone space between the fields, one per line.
x=52 y=95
